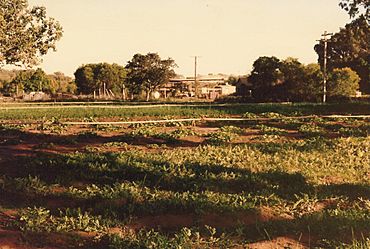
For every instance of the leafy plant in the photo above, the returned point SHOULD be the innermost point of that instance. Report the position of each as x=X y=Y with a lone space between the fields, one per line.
x=310 y=130
x=220 y=137
x=41 y=220
x=269 y=130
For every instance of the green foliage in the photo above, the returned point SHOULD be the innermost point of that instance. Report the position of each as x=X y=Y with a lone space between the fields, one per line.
x=350 y=48
x=301 y=82
x=232 y=129
x=148 y=72
x=361 y=131
x=356 y=244
x=25 y=33
x=312 y=87
x=250 y=115
x=272 y=115
x=162 y=112
x=30 y=81
x=265 y=76
x=87 y=134
x=53 y=125
x=175 y=135
x=143 y=131
x=225 y=135
x=342 y=83
x=294 y=78
x=40 y=220
x=30 y=184
x=185 y=238
x=354 y=7
x=6 y=76
x=270 y=130
x=183 y=132
x=92 y=77
x=292 y=178
x=311 y=130
x=286 y=80
x=60 y=83
x=149 y=131
x=36 y=220
x=219 y=138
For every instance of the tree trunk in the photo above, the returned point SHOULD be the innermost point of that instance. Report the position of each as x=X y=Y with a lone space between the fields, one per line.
x=148 y=95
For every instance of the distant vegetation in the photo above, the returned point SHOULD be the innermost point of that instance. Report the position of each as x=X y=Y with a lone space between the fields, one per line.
x=25 y=81
x=94 y=77
x=289 y=80
x=350 y=48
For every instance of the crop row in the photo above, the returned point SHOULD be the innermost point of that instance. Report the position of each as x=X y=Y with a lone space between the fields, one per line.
x=181 y=111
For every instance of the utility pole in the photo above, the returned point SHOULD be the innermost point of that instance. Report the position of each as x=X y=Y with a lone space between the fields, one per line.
x=196 y=85
x=123 y=92
x=325 y=40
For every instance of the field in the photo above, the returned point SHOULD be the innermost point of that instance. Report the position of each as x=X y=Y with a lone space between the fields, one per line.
x=282 y=176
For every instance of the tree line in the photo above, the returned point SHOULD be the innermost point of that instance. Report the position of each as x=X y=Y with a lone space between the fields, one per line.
x=142 y=74
x=289 y=80
x=18 y=82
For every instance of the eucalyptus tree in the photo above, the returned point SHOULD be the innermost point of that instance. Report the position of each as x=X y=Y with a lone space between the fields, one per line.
x=26 y=33
x=148 y=72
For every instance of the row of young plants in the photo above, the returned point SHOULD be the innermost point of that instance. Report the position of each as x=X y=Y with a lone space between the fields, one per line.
x=310 y=127
x=289 y=178
x=310 y=157
x=123 y=114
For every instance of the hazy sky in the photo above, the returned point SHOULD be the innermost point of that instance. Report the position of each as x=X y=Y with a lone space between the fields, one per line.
x=228 y=35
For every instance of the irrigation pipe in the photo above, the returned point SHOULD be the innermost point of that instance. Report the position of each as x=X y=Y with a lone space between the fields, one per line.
x=183 y=120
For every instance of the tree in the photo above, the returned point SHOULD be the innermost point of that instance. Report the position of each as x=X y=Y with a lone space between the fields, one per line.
x=232 y=80
x=354 y=7
x=30 y=81
x=112 y=75
x=148 y=72
x=299 y=82
x=92 y=77
x=39 y=81
x=286 y=80
x=84 y=77
x=313 y=83
x=6 y=76
x=343 y=83
x=350 y=48
x=16 y=85
x=25 y=33
x=265 y=78
x=60 y=83
x=293 y=75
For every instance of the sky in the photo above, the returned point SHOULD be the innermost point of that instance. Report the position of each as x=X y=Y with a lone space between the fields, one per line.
x=227 y=35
